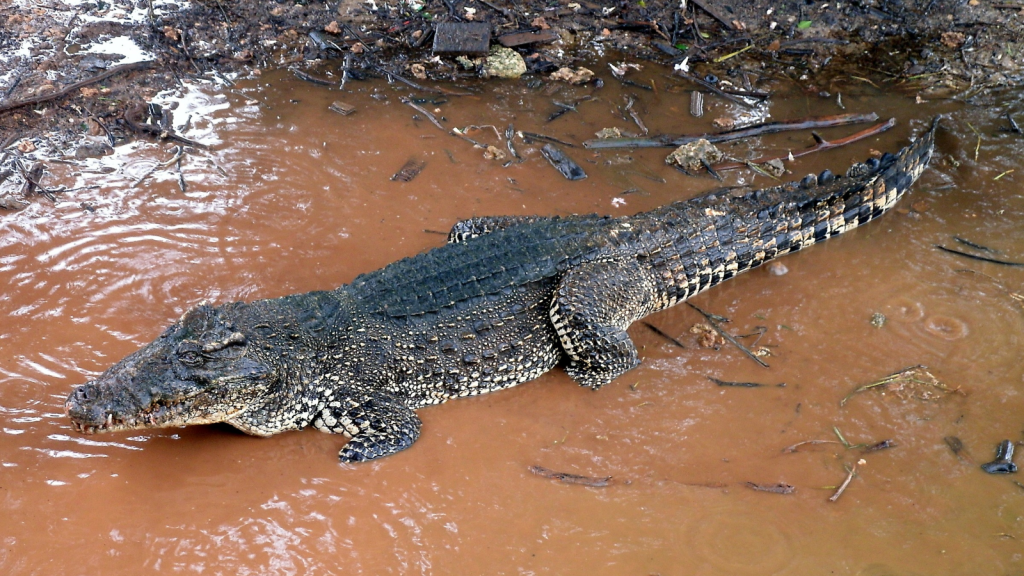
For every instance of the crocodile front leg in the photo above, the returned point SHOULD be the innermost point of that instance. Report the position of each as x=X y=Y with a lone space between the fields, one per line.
x=593 y=306
x=473 y=227
x=377 y=423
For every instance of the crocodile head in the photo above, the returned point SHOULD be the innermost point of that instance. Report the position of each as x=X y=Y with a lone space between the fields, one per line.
x=199 y=371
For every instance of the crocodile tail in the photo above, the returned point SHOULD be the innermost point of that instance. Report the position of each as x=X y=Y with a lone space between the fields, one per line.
x=717 y=236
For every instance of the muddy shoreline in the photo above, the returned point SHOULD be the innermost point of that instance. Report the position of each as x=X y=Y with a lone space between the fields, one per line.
x=71 y=70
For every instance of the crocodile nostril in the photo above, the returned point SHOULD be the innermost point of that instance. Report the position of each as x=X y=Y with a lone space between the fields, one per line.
x=85 y=392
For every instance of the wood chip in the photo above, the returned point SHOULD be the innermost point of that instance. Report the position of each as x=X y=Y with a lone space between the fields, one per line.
x=342 y=108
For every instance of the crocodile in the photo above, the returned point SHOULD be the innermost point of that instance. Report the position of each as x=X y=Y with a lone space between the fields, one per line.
x=507 y=299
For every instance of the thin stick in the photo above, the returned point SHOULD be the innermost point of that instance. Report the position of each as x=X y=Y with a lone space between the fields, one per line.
x=982 y=258
x=818 y=147
x=849 y=478
x=71 y=88
x=728 y=336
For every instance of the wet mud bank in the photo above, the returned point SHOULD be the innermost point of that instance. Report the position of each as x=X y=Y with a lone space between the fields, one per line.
x=75 y=68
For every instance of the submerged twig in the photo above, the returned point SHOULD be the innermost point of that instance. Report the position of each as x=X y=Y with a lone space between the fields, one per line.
x=658 y=331
x=744 y=384
x=566 y=478
x=794 y=447
x=974 y=245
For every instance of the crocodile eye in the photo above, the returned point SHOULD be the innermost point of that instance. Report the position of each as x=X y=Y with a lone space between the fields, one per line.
x=190 y=358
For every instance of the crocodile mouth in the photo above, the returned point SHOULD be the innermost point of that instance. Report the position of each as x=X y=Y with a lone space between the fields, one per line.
x=156 y=416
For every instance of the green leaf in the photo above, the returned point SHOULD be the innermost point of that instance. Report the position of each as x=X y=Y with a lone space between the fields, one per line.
x=681 y=46
x=705 y=35
x=643 y=4
x=804 y=24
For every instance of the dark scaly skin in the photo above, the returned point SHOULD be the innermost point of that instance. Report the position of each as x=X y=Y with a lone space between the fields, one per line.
x=507 y=299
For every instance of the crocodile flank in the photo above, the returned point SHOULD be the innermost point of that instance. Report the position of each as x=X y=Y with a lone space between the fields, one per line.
x=505 y=300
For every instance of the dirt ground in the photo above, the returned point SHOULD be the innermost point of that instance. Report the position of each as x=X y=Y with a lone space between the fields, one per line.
x=75 y=74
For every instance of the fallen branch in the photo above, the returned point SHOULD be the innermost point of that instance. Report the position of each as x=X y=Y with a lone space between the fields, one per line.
x=671 y=141
x=72 y=87
x=821 y=145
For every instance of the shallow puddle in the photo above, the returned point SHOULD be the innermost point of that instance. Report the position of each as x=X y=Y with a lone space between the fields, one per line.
x=296 y=197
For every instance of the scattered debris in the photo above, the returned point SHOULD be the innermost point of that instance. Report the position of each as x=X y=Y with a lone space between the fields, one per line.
x=711 y=320
x=579 y=76
x=566 y=478
x=774 y=167
x=342 y=108
x=462 y=38
x=878 y=320
x=913 y=382
x=608 y=133
x=777 y=488
x=956 y=446
x=724 y=123
x=692 y=156
x=696 y=103
x=879 y=446
x=707 y=337
x=493 y=153
x=1003 y=464
x=504 y=63
x=563 y=163
x=409 y=170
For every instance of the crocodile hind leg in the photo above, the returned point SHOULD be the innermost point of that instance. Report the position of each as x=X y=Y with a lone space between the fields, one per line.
x=377 y=423
x=592 y=307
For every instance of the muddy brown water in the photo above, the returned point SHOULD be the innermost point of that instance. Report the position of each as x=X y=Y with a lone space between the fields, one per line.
x=298 y=198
